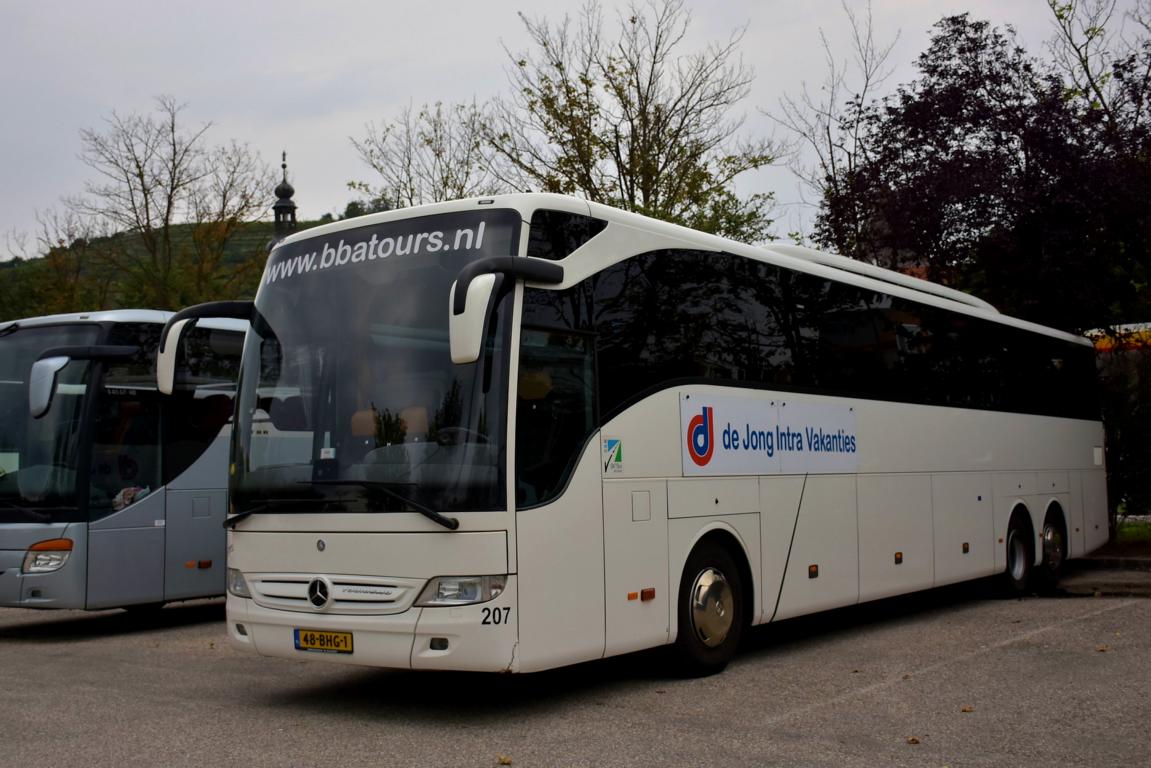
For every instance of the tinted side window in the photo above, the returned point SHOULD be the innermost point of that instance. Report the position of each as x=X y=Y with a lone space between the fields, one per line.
x=674 y=317
x=555 y=234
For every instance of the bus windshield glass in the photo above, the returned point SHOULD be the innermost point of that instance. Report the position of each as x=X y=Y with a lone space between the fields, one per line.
x=39 y=458
x=349 y=400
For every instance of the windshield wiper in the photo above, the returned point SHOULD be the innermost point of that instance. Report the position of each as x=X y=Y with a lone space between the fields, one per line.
x=10 y=328
x=450 y=523
x=231 y=521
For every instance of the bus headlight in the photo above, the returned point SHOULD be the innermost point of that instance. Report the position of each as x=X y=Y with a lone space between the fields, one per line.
x=47 y=556
x=236 y=584
x=461 y=590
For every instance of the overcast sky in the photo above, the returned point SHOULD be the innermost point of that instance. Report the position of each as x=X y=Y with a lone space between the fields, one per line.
x=305 y=76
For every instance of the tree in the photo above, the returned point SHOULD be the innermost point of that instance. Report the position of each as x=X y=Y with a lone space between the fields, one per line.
x=1023 y=182
x=628 y=121
x=70 y=277
x=166 y=207
x=1099 y=62
x=983 y=175
x=829 y=128
x=631 y=122
x=433 y=155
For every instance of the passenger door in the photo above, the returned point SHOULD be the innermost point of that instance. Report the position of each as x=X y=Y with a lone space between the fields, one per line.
x=125 y=498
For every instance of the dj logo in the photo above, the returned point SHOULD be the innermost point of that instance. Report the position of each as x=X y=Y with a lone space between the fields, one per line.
x=701 y=437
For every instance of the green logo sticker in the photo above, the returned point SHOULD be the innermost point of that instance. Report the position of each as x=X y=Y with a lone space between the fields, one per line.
x=612 y=455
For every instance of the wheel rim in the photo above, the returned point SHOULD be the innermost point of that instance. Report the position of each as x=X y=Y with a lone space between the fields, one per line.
x=712 y=607
x=1017 y=556
x=1052 y=548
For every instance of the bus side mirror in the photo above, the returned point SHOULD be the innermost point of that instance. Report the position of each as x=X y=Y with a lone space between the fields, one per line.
x=466 y=329
x=42 y=384
x=468 y=304
x=166 y=357
x=182 y=322
x=42 y=380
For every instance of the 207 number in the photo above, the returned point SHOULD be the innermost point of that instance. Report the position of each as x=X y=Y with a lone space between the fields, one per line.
x=496 y=615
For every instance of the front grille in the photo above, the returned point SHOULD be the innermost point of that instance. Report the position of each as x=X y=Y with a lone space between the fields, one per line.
x=363 y=595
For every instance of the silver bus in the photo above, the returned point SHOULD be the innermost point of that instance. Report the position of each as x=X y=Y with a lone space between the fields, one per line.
x=112 y=495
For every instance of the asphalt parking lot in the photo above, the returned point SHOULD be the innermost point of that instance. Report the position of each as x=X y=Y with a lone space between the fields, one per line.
x=951 y=677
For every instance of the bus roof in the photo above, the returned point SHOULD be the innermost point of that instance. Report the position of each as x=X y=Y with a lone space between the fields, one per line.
x=787 y=255
x=156 y=316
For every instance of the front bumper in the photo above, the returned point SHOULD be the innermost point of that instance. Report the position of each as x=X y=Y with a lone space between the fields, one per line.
x=479 y=638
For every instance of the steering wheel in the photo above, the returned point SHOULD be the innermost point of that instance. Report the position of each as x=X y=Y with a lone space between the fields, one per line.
x=444 y=436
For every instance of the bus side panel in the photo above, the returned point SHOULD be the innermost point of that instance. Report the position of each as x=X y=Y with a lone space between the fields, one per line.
x=779 y=504
x=826 y=537
x=126 y=555
x=1075 y=546
x=635 y=559
x=964 y=526
x=560 y=557
x=1013 y=489
x=733 y=500
x=1094 y=510
x=194 y=544
x=896 y=553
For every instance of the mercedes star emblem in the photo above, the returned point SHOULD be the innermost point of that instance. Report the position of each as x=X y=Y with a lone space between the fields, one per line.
x=318 y=593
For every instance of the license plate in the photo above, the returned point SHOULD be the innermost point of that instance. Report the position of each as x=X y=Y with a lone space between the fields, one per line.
x=323 y=642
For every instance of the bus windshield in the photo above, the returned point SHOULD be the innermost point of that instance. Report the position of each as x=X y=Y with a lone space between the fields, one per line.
x=349 y=399
x=39 y=458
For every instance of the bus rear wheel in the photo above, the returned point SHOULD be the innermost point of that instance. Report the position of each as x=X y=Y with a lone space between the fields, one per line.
x=1054 y=543
x=1019 y=558
x=711 y=611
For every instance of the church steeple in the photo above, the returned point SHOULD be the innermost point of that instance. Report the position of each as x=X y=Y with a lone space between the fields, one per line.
x=284 y=209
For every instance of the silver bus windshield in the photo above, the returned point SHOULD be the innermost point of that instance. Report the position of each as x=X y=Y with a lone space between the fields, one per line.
x=39 y=458
x=349 y=399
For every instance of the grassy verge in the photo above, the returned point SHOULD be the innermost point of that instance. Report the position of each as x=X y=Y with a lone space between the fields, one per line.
x=1134 y=532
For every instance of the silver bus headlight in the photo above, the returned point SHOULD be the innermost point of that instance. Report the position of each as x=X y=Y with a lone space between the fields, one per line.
x=236 y=584
x=461 y=590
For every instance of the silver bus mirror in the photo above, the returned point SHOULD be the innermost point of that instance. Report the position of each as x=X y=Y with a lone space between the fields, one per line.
x=42 y=380
x=182 y=322
x=466 y=330
x=42 y=384
x=166 y=357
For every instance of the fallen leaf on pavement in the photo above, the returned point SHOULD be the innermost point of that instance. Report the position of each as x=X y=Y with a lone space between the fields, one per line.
x=967 y=708
x=912 y=740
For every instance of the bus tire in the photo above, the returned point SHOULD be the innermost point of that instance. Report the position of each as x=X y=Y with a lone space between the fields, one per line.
x=710 y=610
x=1020 y=555
x=1054 y=543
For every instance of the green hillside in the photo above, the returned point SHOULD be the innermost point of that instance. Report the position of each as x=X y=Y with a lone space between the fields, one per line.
x=117 y=272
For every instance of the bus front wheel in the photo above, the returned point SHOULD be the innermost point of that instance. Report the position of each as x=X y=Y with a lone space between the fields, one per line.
x=711 y=611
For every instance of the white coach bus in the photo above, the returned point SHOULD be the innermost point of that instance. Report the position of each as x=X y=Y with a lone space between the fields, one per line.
x=111 y=496
x=514 y=433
